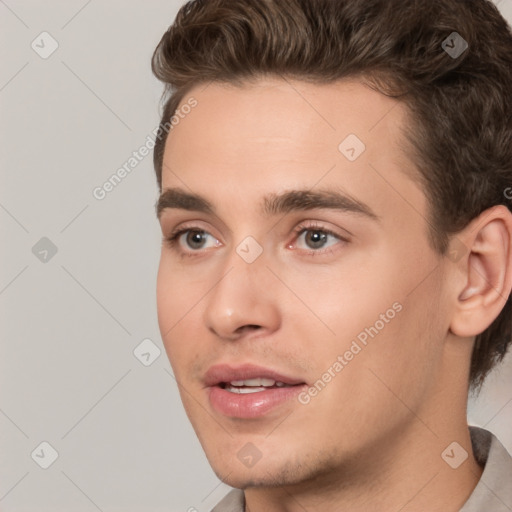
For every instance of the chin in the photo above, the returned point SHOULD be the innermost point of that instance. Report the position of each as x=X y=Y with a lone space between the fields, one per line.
x=262 y=474
x=246 y=479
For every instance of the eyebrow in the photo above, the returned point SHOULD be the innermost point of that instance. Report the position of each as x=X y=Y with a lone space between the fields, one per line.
x=273 y=204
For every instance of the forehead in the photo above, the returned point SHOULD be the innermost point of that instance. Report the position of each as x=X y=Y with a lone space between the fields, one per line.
x=274 y=134
x=271 y=106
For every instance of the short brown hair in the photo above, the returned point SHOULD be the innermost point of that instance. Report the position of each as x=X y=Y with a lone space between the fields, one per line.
x=460 y=127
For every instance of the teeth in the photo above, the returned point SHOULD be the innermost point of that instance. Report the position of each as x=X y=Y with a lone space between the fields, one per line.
x=243 y=391
x=253 y=385
x=253 y=382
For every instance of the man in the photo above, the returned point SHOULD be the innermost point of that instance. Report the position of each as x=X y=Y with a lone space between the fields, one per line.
x=336 y=267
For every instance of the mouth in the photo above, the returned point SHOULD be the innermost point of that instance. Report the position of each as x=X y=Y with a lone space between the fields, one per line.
x=248 y=375
x=256 y=385
x=249 y=391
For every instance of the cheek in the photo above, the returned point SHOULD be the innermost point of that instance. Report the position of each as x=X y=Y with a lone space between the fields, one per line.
x=394 y=364
x=337 y=304
x=177 y=291
x=166 y=297
x=177 y=300
x=387 y=308
x=401 y=357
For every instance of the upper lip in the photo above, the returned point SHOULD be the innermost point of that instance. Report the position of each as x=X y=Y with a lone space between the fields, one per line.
x=220 y=373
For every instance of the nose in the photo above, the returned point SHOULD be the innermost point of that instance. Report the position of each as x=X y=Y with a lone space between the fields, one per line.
x=242 y=301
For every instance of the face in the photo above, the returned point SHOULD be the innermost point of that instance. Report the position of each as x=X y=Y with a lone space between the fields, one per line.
x=294 y=255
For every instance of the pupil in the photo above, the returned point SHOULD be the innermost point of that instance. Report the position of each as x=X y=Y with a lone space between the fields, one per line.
x=195 y=239
x=316 y=239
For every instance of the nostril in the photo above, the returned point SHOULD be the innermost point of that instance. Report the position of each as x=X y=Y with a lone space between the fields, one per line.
x=248 y=327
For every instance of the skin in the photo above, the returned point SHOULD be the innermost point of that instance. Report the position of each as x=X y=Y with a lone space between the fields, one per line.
x=372 y=439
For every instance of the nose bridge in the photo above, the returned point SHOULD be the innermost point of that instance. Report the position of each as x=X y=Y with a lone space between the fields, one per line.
x=241 y=297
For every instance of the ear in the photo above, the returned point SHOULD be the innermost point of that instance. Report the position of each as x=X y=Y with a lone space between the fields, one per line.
x=486 y=267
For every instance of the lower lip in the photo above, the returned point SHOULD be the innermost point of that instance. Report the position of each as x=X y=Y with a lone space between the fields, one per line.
x=251 y=405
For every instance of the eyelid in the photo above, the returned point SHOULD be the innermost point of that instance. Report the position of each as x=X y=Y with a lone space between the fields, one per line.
x=173 y=239
x=190 y=226
x=316 y=226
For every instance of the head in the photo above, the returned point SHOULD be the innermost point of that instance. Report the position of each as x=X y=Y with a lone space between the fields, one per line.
x=338 y=213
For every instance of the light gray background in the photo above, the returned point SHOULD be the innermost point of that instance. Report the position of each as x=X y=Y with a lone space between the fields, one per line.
x=69 y=325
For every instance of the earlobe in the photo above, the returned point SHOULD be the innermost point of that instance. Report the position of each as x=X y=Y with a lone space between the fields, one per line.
x=487 y=272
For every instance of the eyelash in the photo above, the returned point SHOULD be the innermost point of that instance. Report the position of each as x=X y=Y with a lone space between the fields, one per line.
x=173 y=239
x=301 y=228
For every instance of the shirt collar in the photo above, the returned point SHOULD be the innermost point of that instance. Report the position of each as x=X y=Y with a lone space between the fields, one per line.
x=494 y=489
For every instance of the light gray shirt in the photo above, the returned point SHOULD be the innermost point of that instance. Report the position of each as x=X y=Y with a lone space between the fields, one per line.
x=493 y=492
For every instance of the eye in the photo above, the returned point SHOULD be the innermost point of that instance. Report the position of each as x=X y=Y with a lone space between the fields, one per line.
x=315 y=238
x=192 y=239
